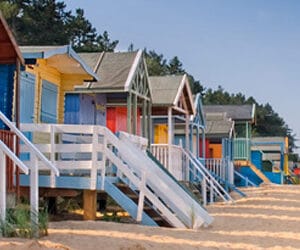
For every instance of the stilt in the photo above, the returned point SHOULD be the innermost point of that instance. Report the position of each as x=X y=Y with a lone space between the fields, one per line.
x=89 y=204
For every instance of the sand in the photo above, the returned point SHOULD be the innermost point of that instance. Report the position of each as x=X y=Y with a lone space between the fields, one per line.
x=268 y=218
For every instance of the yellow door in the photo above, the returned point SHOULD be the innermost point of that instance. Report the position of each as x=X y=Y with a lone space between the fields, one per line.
x=161 y=134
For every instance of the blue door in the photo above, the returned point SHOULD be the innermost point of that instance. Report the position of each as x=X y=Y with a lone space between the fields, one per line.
x=6 y=90
x=49 y=102
x=27 y=94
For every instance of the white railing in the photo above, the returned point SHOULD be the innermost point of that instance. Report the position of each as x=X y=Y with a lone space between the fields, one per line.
x=177 y=166
x=185 y=167
x=222 y=168
x=36 y=156
x=199 y=172
x=90 y=150
x=5 y=151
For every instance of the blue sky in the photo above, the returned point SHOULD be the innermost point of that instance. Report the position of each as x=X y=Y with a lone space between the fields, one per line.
x=248 y=46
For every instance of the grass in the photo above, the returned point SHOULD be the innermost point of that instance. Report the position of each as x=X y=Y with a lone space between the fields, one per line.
x=18 y=223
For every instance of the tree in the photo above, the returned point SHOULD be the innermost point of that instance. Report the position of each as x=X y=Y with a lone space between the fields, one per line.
x=268 y=122
x=47 y=22
x=175 y=66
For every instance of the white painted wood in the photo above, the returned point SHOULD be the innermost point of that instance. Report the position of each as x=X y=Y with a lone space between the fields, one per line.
x=142 y=188
x=93 y=182
x=170 y=136
x=133 y=69
x=204 y=192
x=52 y=155
x=2 y=186
x=34 y=195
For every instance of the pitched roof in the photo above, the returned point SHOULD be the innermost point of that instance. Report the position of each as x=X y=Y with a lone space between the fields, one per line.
x=9 y=50
x=113 y=68
x=166 y=91
x=235 y=112
x=63 y=58
x=217 y=124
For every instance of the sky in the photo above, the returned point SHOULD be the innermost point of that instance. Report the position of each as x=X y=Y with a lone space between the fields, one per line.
x=247 y=46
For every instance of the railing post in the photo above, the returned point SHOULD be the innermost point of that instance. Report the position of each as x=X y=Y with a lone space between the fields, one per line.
x=93 y=183
x=141 y=198
x=52 y=154
x=211 y=193
x=204 y=191
x=2 y=186
x=103 y=164
x=34 y=196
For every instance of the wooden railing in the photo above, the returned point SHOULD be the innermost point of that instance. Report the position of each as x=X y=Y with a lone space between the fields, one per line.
x=9 y=139
x=222 y=168
x=36 y=156
x=177 y=165
x=241 y=149
x=186 y=167
x=88 y=151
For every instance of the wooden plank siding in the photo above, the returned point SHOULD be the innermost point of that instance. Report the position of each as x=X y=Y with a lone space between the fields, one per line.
x=64 y=83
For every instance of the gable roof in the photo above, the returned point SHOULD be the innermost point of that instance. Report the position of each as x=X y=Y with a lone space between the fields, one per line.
x=235 y=112
x=115 y=69
x=63 y=58
x=199 y=117
x=9 y=50
x=218 y=125
x=167 y=90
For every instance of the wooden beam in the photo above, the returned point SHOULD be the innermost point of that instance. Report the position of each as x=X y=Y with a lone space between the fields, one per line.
x=134 y=123
x=129 y=112
x=89 y=204
x=170 y=135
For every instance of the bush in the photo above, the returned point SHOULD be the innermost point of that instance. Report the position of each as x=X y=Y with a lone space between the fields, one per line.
x=18 y=223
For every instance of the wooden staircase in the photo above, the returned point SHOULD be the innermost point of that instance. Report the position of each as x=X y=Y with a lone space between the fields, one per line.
x=148 y=209
x=257 y=171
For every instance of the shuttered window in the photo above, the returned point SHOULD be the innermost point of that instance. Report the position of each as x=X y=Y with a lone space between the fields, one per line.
x=49 y=102
x=27 y=88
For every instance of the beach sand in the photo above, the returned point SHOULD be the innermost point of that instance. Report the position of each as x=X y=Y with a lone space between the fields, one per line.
x=268 y=218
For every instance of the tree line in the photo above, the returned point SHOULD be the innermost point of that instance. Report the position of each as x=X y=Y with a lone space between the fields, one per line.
x=48 y=22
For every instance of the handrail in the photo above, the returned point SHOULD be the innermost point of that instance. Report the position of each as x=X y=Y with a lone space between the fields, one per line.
x=245 y=179
x=12 y=156
x=167 y=189
x=28 y=143
x=216 y=185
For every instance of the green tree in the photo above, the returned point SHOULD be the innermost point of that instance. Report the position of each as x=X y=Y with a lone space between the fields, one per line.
x=175 y=66
x=268 y=122
x=47 y=22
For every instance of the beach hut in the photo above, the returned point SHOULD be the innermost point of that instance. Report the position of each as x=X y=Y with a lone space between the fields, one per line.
x=50 y=72
x=10 y=62
x=218 y=128
x=172 y=105
x=123 y=89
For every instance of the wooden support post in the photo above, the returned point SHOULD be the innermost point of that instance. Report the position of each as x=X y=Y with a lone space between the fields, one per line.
x=2 y=186
x=144 y=125
x=34 y=195
x=149 y=123
x=211 y=197
x=204 y=191
x=129 y=112
x=203 y=144
x=103 y=162
x=187 y=138
x=93 y=173
x=52 y=154
x=170 y=133
x=141 y=198
x=134 y=122
x=89 y=204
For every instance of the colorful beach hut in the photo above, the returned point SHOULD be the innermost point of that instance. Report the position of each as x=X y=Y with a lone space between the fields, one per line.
x=123 y=88
x=10 y=61
x=50 y=72
x=172 y=105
